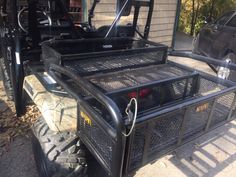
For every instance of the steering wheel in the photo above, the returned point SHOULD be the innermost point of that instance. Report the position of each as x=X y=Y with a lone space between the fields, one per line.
x=42 y=21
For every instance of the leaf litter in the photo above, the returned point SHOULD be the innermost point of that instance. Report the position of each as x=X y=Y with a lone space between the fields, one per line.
x=12 y=126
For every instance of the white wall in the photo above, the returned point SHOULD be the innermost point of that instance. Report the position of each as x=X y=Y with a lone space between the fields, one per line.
x=162 y=22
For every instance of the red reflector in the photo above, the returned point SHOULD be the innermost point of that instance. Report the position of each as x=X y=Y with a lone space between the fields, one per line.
x=142 y=93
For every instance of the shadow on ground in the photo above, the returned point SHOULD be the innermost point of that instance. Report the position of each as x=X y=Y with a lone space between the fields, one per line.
x=16 y=157
x=213 y=154
x=210 y=156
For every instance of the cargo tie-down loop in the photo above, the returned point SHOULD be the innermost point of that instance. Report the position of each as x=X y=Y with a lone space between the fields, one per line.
x=131 y=116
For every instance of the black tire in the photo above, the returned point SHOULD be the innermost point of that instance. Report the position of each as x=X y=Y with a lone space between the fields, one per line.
x=55 y=154
x=232 y=57
x=195 y=45
x=4 y=71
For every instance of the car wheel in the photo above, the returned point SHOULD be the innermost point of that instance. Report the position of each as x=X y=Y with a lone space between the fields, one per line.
x=232 y=75
x=195 y=45
x=226 y=73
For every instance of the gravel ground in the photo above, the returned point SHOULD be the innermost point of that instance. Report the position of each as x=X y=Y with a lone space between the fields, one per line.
x=18 y=161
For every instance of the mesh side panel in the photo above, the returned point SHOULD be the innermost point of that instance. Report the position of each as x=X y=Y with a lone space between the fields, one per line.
x=222 y=108
x=137 y=147
x=197 y=119
x=179 y=89
x=114 y=62
x=234 y=110
x=208 y=87
x=163 y=132
x=100 y=140
x=136 y=77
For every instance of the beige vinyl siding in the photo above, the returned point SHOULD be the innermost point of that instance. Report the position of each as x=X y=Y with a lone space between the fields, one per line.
x=162 y=22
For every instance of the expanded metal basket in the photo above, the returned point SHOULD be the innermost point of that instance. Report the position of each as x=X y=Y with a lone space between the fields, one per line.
x=113 y=52
x=175 y=103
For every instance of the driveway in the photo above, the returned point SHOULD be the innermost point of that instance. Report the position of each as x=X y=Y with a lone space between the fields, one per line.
x=183 y=41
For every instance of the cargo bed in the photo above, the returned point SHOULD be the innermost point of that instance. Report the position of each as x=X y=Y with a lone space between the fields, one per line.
x=175 y=103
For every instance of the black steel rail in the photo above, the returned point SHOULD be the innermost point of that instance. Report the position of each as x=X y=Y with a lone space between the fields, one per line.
x=208 y=60
x=116 y=133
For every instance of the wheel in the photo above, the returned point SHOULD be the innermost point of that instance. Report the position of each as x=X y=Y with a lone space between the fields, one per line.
x=195 y=45
x=57 y=154
x=226 y=73
x=46 y=20
x=232 y=57
x=4 y=71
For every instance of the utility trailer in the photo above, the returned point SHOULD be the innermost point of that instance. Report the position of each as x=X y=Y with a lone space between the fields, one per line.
x=114 y=102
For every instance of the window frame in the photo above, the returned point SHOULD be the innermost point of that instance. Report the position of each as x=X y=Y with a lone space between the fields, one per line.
x=227 y=20
x=232 y=18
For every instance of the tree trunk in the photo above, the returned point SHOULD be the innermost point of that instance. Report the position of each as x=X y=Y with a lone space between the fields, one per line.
x=196 y=16
x=192 y=20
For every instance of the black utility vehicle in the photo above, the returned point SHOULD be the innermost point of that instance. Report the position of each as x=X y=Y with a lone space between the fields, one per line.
x=110 y=100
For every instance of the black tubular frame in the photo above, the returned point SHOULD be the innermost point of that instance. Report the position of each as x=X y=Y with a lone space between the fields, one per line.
x=13 y=38
x=176 y=24
x=137 y=5
x=152 y=84
x=91 y=12
x=119 y=166
x=116 y=133
x=185 y=108
x=208 y=60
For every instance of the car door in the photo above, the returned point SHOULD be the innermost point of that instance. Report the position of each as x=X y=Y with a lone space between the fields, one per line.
x=224 y=39
x=210 y=34
x=232 y=28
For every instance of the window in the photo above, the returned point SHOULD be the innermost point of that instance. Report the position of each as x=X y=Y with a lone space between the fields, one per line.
x=223 y=19
x=76 y=10
x=232 y=22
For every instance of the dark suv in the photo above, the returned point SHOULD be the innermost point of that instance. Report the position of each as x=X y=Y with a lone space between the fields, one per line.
x=218 y=39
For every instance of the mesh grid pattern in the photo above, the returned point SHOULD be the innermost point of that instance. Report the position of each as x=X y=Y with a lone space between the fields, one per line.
x=165 y=130
x=114 y=62
x=138 y=147
x=208 y=87
x=99 y=139
x=222 y=108
x=163 y=133
x=196 y=121
x=135 y=77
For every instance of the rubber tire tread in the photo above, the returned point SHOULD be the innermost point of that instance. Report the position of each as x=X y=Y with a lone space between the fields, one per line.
x=59 y=163
x=6 y=79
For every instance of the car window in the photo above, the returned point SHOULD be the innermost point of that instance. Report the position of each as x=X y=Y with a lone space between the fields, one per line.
x=223 y=19
x=232 y=22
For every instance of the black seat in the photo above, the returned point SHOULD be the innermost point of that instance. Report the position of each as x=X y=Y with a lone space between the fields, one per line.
x=48 y=32
x=119 y=31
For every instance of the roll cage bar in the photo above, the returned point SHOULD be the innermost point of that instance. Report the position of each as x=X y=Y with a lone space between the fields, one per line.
x=33 y=31
x=137 y=4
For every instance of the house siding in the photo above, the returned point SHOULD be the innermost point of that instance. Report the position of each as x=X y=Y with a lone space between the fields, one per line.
x=162 y=22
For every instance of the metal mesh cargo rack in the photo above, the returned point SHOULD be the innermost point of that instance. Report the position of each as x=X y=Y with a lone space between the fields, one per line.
x=116 y=53
x=176 y=104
